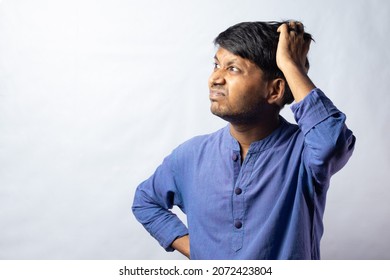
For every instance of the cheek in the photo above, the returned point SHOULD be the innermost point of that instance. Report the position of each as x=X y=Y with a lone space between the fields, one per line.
x=242 y=92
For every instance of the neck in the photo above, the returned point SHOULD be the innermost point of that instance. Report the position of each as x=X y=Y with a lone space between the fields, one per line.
x=246 y=134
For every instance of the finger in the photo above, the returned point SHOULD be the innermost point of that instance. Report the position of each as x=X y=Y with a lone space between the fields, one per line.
x=283 y=31
x=283 y=28
x=295 y=29
x=292 y=26
x=299 y=27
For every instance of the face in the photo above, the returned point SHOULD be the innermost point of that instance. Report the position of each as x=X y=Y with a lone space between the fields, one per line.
x=238 y=88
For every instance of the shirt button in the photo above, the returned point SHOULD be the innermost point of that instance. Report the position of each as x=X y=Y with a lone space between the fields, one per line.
x=238 y=224
x=238 y=191
x=234 y=157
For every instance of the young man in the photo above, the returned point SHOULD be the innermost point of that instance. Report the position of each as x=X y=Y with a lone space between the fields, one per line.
x=255 y=189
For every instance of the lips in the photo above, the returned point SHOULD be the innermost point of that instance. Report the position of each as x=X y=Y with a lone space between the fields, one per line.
x=216 y=94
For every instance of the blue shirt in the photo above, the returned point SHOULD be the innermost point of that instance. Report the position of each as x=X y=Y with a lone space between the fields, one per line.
x=269 y=207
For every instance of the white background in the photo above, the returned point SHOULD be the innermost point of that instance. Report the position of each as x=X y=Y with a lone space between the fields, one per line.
x=94 y=94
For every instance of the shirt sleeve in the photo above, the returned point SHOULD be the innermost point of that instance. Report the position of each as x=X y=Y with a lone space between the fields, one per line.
x=328 y=142
x=152 y=203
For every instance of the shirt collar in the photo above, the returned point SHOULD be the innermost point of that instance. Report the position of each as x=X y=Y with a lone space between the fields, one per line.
x=260 y=145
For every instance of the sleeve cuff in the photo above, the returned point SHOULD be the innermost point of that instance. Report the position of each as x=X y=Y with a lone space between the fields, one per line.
x=167 y=235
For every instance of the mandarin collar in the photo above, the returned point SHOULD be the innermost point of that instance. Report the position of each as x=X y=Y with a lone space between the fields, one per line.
x=260 y=145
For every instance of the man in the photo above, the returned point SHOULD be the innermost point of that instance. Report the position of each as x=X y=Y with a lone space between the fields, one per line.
x=255 y=189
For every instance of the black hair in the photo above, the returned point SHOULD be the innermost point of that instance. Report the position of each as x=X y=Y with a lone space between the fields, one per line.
x=257 y=42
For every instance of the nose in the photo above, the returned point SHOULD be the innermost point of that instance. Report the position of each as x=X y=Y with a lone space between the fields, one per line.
x=217 y=78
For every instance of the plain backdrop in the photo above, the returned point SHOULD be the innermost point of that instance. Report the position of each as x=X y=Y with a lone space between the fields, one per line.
x=94 y=94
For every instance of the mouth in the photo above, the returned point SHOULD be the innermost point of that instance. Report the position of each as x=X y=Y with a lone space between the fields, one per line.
x=216 y=94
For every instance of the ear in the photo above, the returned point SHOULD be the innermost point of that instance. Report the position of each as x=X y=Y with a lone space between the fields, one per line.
x=276 y=90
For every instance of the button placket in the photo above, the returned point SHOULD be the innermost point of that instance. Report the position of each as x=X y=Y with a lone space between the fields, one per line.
x=238 y=201
x=235 y=157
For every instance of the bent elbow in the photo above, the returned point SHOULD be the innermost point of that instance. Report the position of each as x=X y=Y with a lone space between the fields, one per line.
x=332 y=156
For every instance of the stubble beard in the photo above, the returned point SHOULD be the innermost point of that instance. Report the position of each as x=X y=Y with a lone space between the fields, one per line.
x=250 y=115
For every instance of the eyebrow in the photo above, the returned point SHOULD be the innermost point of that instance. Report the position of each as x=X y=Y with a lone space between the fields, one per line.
x=231 y=61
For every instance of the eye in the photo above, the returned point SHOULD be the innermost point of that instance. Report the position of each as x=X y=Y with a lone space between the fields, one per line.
x=234 y=69
x=216 y=66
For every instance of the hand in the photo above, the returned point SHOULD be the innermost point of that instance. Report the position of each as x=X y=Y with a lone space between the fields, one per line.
x=182 y=244
x=293 y=47
x=291 y=58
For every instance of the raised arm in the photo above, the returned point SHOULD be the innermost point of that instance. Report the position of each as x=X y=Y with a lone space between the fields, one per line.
x=328 y=142
x=291 y=58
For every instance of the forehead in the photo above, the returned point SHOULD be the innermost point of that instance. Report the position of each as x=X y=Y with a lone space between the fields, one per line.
x=227 y=58
x=224 y=56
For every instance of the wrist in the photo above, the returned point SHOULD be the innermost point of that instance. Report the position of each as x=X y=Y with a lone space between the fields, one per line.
x=298 y=81
x=289 y=66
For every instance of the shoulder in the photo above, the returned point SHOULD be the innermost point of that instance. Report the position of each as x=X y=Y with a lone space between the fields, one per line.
x=202 y=146
x=287 y=131
x=202 y=141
